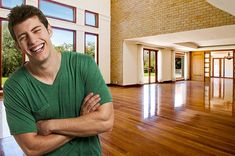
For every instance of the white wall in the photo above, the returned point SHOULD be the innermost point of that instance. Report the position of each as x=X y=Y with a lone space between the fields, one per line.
x=102 y=7
x=130 y=68
x=186 y=66
x=133 y=61
x=165 y=66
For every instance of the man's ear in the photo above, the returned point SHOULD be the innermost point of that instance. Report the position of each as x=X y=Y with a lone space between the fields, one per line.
x=49 y=29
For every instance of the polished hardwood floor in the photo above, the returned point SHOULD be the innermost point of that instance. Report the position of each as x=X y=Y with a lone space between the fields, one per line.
x=182 y=118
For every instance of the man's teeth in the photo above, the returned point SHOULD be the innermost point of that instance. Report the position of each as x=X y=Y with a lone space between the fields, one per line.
x=38 y=48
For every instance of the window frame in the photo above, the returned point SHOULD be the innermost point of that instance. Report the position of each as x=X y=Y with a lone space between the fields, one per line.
x=63 y=5
x=23 y=55
x=71 y=30
x=5 y=7
x=97 y=45
x=96 y=19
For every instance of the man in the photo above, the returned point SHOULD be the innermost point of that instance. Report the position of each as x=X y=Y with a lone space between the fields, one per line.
x=47 y=109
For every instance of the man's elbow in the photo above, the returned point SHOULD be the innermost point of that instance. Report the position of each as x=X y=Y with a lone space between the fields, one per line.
x=32 y=152
x=108 y=125
x=107 y=118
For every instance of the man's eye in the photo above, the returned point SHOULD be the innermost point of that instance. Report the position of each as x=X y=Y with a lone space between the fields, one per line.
x=37 y=30
x=22 y=38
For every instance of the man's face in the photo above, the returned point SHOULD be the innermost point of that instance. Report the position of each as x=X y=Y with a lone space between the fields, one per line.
x=33 y=39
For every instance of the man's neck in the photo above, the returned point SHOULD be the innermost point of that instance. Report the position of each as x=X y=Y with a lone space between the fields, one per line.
x=47 y=71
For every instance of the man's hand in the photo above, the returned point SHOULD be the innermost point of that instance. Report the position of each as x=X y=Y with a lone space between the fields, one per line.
x=43 y=127
x=90 y=104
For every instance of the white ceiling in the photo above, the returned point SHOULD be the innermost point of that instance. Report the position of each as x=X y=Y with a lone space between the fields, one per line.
x=225 y=5
x=202 y=39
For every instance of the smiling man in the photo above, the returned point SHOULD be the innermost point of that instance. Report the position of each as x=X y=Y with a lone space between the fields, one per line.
x=48 y=105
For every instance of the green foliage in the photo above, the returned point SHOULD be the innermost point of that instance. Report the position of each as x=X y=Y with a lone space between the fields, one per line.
x=90 y=49
x=64 y=47
x=11 y=57
x=178 y=62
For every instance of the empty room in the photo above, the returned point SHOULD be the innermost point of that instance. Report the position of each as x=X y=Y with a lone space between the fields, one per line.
x=117 y=77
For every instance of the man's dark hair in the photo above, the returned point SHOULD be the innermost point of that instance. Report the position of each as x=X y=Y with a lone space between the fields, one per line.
x=21 y=13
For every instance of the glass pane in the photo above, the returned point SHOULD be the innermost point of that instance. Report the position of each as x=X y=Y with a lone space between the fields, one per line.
x=11 y=3
x=146 y=66
x=152 y=67
x=179 y=67
x=56 y=10
x=91 y=45
x=90 y=19
x=207 y=74
x=216 y=67
x=207 y=65
x=207 y=69
x=63 y=40
x=11 y=57
x=206 y=60
x=207 y=55
x=228 y=68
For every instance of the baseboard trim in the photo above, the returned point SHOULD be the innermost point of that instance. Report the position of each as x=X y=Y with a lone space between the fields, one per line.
x=131 y=85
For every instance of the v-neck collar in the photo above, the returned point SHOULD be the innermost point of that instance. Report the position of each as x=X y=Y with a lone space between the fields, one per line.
x=45 y=84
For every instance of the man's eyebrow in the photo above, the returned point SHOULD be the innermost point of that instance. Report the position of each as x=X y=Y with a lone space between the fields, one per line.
x=31 y=30
x=36 y=28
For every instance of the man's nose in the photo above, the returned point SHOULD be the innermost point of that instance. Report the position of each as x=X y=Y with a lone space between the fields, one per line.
x=31 y=39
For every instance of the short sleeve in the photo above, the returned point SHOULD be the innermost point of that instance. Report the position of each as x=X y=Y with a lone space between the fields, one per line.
x=95 y=83
x=19 y=117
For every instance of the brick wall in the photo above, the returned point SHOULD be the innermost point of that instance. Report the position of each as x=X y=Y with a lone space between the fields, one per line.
x=138 y=18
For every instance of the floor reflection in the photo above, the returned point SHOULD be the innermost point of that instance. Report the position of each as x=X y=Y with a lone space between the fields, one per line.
x=180 y=95
x=215 y=96
x=220 y=94
x=149 y=101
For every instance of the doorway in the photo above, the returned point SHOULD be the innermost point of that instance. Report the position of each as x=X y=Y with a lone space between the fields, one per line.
x=179 y=66
x=150 y=66
x=222 y=64
x=217 y=67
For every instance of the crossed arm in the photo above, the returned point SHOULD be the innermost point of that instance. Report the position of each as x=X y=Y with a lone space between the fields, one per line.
x=54 y=133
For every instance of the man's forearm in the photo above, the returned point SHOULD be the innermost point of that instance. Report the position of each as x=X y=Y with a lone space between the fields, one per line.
x=83 y=126
x=87 y=125
x=33 y=144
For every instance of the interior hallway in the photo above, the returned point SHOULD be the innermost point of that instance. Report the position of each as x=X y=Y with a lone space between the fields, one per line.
x=182 y=118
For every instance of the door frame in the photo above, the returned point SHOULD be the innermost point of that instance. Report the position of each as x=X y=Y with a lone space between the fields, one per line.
x=182 y=56
x=156 y=69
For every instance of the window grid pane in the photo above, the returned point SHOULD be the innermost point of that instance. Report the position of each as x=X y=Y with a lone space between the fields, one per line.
x=91 y=19
x=91 y=46
x=11 y=3
x=63 y=40
x=56 y=10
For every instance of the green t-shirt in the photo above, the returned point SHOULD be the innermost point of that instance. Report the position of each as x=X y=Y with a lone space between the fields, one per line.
x=28 y=100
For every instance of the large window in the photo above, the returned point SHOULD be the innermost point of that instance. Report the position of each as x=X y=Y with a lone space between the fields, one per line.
x=91 y=19
x=11 y=58
x=11 y=3
x=63 y=39
x=57 y=10
x=91 y=45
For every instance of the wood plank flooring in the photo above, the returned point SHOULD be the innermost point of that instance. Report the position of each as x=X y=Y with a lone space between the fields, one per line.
x=182 y=118
x=185 y=118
